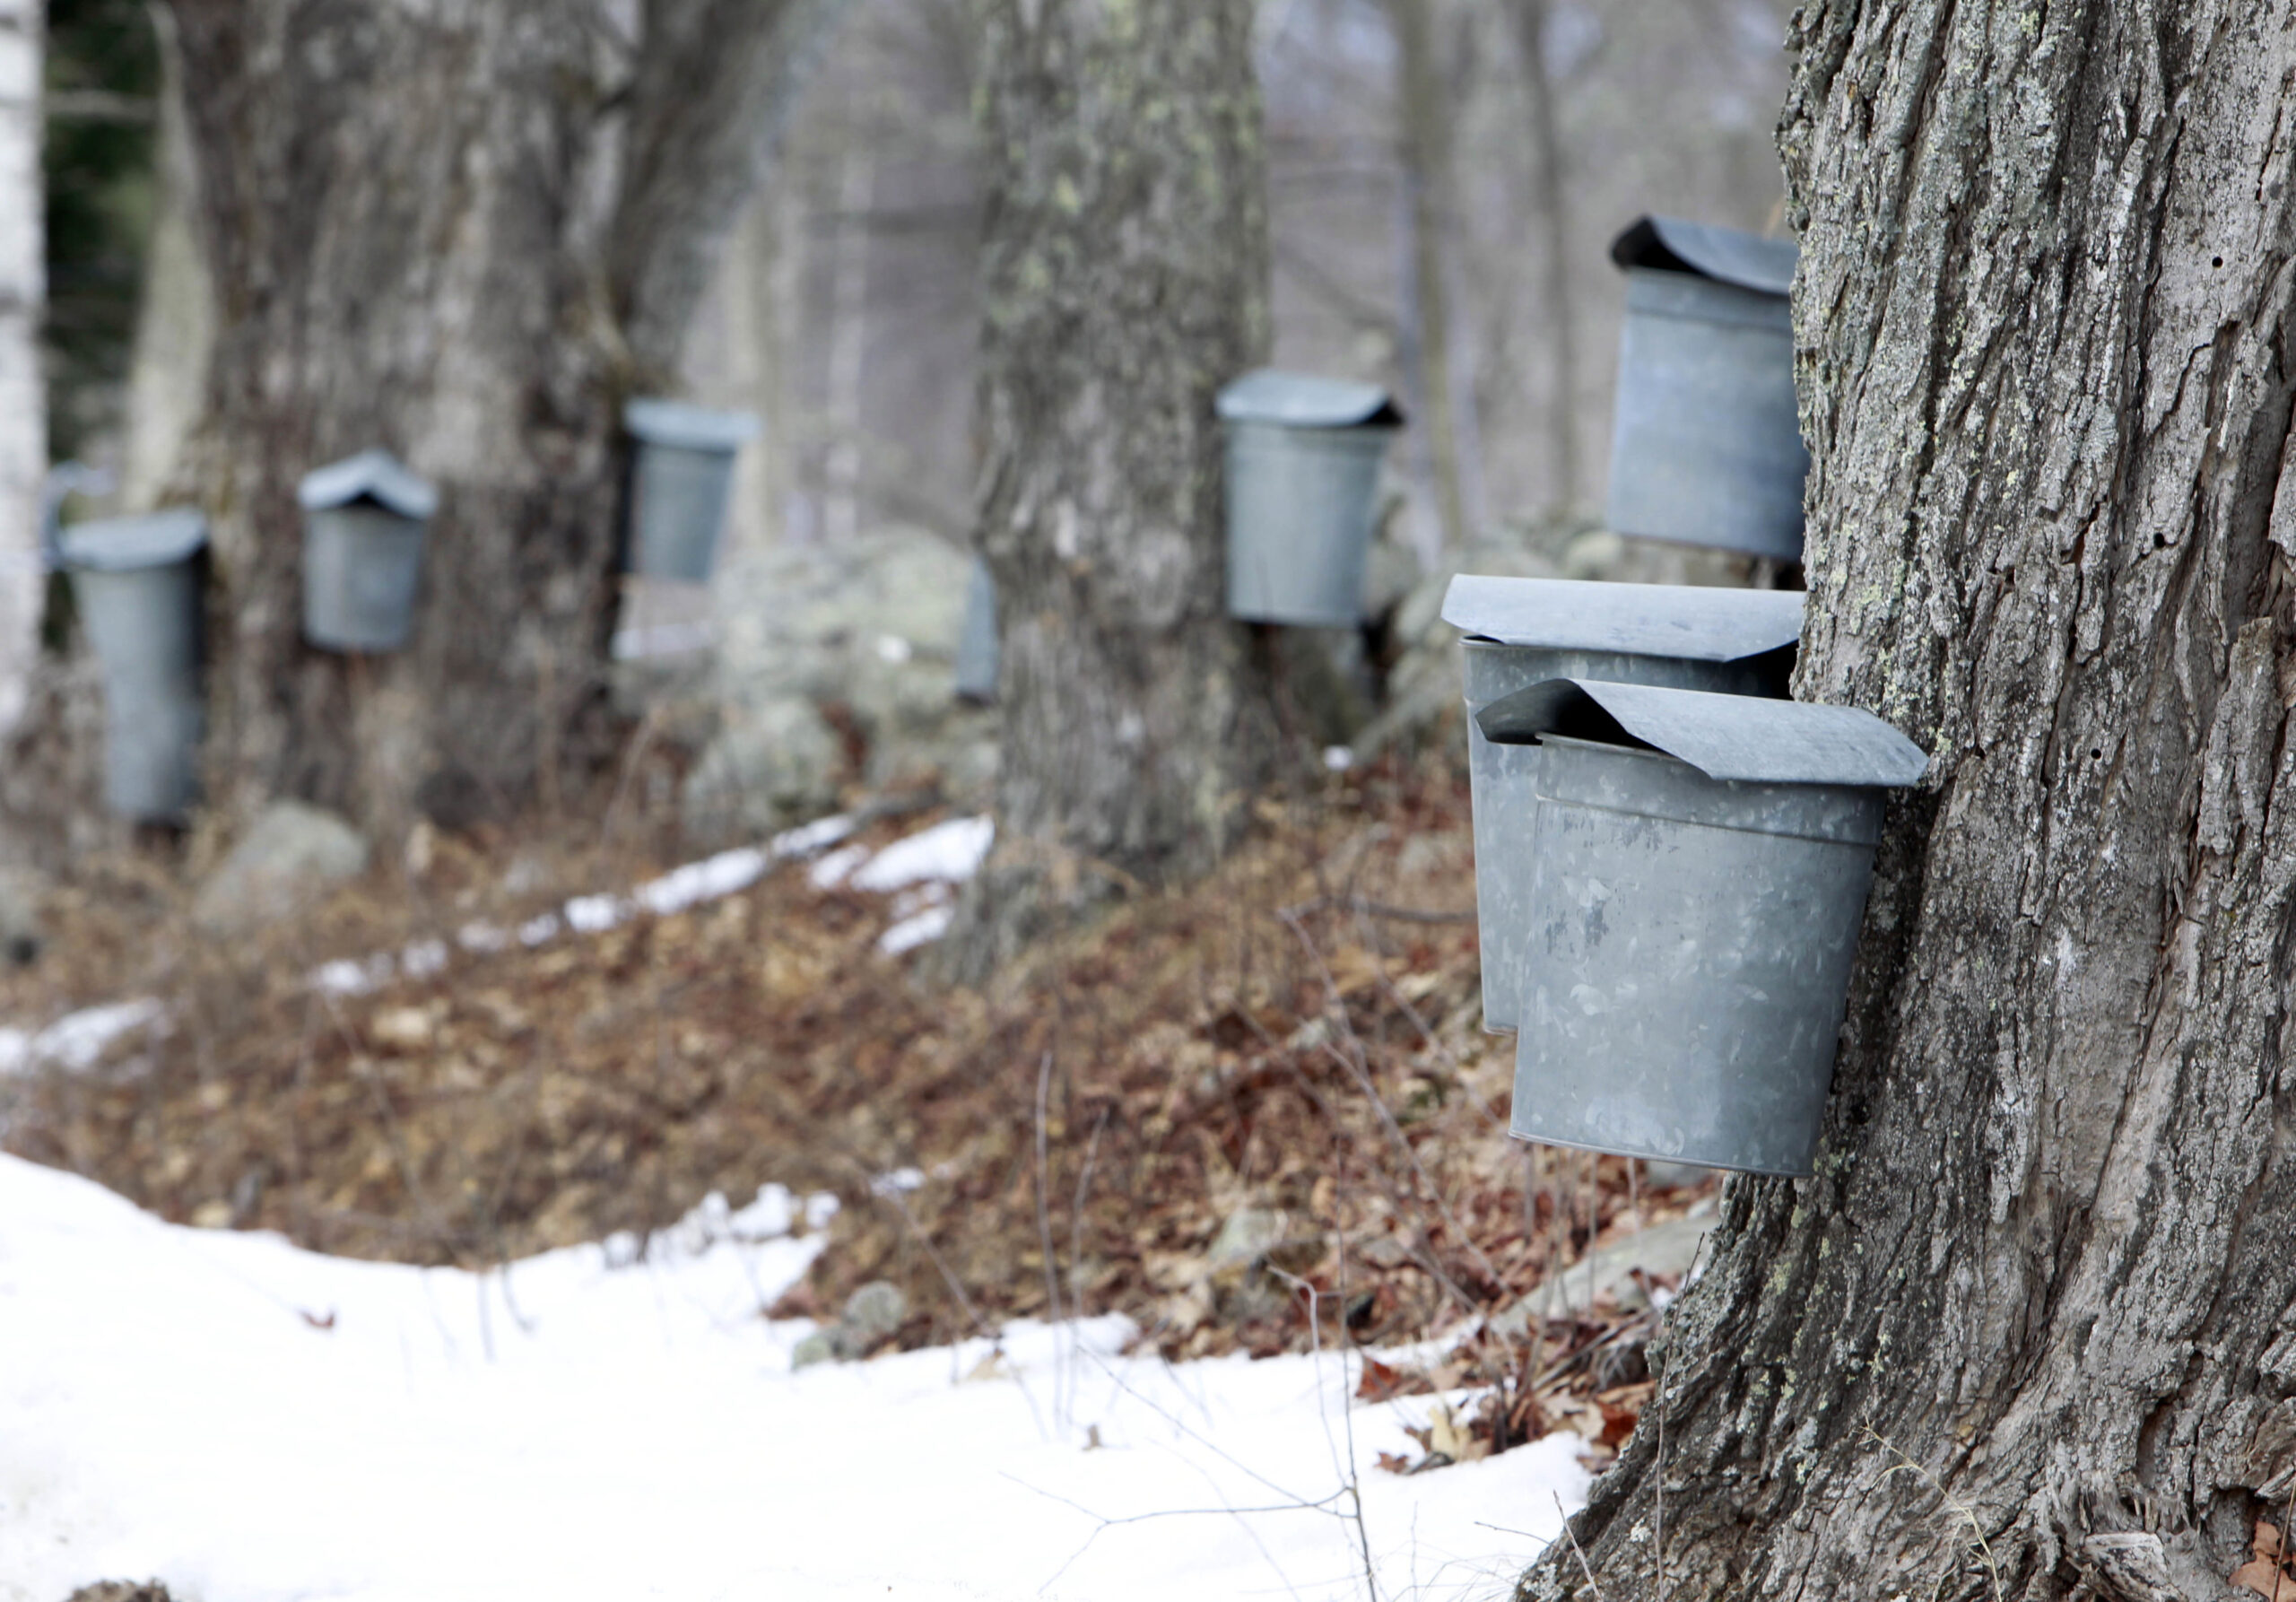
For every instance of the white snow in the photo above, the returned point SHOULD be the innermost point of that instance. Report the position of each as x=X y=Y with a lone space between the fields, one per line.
x=832 y=870
x=950 y=852
x=75 y=1041
x=249 y=1423
x=919 y=928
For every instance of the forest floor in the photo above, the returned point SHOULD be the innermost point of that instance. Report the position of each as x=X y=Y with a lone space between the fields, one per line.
x=1255 y=1116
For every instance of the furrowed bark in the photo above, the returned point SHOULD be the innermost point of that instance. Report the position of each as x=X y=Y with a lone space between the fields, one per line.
x=1125 y=281
x=2028 y=1334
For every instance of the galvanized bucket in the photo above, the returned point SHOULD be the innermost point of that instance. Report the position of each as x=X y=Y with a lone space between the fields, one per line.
x=1521 y=632
x=977 y=651
x=1698 y=868
x=680 y=487
x=136 y=582
x=1706 y=444
x=364 y=522
x=1303 y=470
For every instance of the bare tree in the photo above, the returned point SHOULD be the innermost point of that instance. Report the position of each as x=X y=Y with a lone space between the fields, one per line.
x=1125 y=280
x=465 y=232
x=2027 y=1332
x=1423 y=127
x=24 y=427
x=1551 y=219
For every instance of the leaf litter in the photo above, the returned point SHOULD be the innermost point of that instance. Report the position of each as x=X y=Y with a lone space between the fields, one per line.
x=1252 y=1115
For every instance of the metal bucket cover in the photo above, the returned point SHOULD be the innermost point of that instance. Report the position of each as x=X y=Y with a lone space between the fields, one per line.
x=1725 y=254
x=1694 y=623
x=687 y=427
x=1728 y=737
x=375 y=476
x=1301 y=400
x=120 y=545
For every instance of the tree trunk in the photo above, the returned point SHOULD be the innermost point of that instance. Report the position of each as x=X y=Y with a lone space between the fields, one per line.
x=1550 y=213
x=465 y=232
x=1125 y=280
x=175 y=324
x=23 y=407
x=2028 y=1333
x=1425 y=128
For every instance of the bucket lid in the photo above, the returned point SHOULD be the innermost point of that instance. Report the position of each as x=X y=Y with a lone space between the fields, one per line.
x=374 y=475
x=119 y=544
x=688 y=427
x=1723 y=737
x=1726 y=255
x=1689 y=622
x=1301 y=400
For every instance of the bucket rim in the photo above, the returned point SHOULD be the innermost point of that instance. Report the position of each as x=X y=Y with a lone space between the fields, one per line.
x=129 y=544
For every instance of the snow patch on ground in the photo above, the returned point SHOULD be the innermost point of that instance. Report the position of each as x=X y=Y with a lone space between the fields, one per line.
x=252 y=1422
x=77 y=1039
x=949 y=853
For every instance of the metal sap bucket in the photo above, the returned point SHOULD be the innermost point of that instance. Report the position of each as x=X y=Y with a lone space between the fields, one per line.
x=136 y=582
x=1699 y=868
x=1303 y=473
x=977 y=649
x=364 y=522
x=681 y=485
x=1706 y=444
x=1521 y=632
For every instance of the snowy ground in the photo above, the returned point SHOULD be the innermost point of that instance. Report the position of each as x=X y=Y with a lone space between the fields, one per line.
x=247 y=1421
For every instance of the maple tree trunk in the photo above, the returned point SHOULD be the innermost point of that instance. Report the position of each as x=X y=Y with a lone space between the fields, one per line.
x=1124 y=280
x=465 y=233
x=2028 y=1334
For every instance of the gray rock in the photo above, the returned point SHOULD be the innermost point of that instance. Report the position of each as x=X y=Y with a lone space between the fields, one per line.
x=874 y=1311
x=821 y=1346
x=289 y=855
x=870 y=627
x=1664 y=1249
x=1246 y=1237
x=770 y=765
x=22 y=890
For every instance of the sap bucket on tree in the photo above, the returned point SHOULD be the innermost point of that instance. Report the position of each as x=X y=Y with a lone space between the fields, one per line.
x=1699 y=864
x=364 y=523
x=136 y=584
x=681 y=485
x=1706 y=446
x=1521 y=632
x=976 y=653
x=1303 y=473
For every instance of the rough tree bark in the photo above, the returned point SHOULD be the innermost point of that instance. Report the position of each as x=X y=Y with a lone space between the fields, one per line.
x=1125 y=280
x=2044 y=306
x=465 y=231
x=24 y=427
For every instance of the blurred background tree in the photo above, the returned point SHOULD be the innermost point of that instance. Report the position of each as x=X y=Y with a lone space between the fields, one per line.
x=1443 y=179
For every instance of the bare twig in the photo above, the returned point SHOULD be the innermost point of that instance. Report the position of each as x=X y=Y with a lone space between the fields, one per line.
x=1585 y=1567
